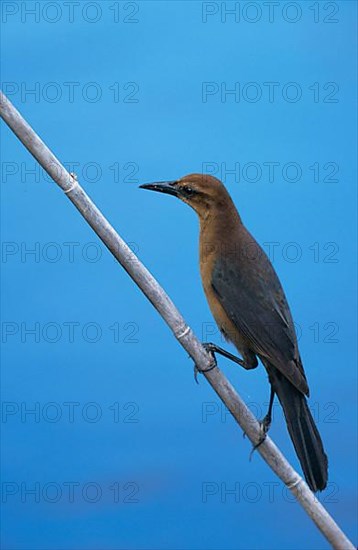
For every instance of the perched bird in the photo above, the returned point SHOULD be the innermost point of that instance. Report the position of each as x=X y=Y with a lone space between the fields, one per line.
x=251 y=310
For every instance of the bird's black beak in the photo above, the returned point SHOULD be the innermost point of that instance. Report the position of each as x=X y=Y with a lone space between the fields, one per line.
x=168 y=187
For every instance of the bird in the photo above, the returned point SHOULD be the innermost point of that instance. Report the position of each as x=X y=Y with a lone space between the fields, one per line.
x=250 y=308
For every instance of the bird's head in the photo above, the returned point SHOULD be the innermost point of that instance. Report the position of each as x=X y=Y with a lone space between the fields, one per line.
x=202 y=192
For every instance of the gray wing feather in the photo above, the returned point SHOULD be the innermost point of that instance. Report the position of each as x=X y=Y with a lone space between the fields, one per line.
x=254 y=301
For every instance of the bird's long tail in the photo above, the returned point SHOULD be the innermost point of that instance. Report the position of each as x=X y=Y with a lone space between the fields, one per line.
x=303 y=431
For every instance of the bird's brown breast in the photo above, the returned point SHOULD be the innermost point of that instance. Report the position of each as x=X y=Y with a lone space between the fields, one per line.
x=213 y=243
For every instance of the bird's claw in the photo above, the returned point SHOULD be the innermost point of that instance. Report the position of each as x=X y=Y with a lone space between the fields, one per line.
x=213 y=365
x=196 y=371
x=265 y=426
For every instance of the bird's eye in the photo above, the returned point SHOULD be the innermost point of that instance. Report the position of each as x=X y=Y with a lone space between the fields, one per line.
x=189 y=190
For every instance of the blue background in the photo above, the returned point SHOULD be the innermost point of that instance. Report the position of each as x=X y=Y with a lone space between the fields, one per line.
x=151 y=432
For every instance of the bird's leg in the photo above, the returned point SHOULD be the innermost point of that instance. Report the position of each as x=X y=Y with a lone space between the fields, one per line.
x=265 y=423
x=213 y=348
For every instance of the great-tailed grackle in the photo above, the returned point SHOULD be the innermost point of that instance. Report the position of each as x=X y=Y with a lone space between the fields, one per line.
x=251 y=310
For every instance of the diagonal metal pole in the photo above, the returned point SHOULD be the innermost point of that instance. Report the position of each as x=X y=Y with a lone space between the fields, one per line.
x=182 y=332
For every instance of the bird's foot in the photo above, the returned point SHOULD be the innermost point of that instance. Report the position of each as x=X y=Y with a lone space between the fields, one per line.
x=265 y=424
x=213 y=348
x=213 y=365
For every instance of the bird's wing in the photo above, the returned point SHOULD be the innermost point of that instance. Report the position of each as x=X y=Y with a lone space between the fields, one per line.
x=253 y=299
